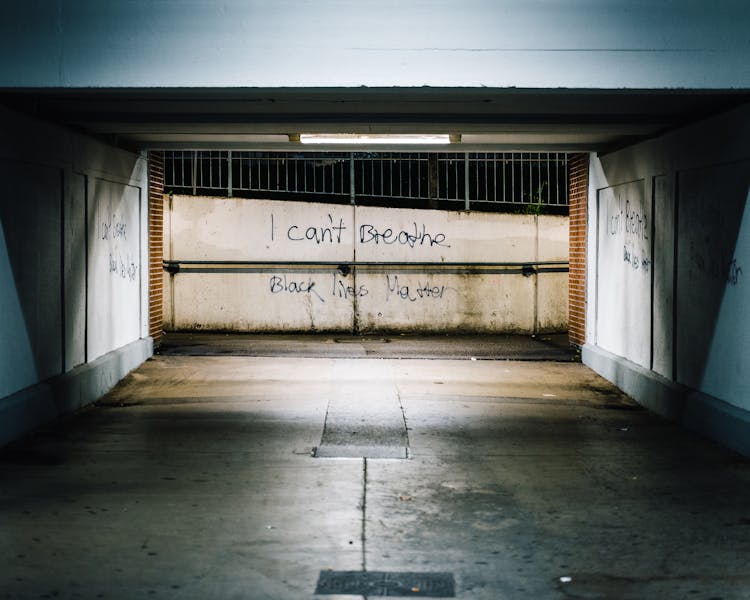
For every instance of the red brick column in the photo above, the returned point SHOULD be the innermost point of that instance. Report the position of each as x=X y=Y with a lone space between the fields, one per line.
x=578 y=182
x=155 y=244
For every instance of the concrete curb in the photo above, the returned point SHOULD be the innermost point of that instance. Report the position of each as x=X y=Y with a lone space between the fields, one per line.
x=32 y=407
x=692 y=409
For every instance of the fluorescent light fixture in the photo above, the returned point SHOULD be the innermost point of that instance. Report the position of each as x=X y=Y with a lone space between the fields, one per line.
x=397 y=139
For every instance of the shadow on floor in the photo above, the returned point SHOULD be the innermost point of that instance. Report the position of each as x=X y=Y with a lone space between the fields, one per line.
x=546 y=347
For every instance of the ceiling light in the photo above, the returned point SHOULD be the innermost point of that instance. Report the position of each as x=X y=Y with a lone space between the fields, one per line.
x=366 y=138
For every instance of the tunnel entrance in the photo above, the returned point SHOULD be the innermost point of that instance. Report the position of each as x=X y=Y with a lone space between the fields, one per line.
x=365 y=242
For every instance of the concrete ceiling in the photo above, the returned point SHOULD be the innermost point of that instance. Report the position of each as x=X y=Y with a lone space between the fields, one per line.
x=261 y=119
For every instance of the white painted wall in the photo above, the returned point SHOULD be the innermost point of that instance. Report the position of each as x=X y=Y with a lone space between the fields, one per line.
x=687 y=322
x=61 y=305
x=450 y=236
x=329 y=43
x=425 y=290
x=464 y=303
x=624 y=264
x=258 y=230
x=114 y=265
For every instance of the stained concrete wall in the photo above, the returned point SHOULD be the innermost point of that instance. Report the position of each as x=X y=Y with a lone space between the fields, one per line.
x=380 y=269
x=329 y=43
x=71 y=282
x=669 y=274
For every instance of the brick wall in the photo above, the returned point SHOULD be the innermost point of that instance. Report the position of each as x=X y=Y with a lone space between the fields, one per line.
x=155 y=243
x=578 y=182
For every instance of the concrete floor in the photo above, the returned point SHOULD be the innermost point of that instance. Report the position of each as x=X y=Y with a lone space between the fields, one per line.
x=554 y=347
x=195 y=478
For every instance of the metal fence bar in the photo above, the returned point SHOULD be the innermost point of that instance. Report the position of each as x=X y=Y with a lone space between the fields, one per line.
x=195 y=173
x=455 y=178
x=467 y=201
x=504 y=177
x=205 y=165
x=447 y=183
x=249 y=173
x=229 y=174
x=410 y=179
x=461 y=177
x=400 y=179
x=420 y=192
x=490 y=171
x=391 y=173
x=380 y=168
x=549 y=187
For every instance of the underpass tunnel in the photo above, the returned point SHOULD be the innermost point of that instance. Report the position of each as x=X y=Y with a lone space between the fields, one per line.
x=356 y=395
x=376 y=307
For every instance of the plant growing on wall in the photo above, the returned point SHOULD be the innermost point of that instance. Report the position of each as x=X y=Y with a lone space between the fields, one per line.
x=533 y=201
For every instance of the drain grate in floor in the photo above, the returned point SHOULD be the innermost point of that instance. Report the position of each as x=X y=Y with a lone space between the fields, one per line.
x=383 y=583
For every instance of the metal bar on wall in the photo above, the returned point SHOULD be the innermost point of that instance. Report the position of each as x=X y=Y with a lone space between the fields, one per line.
x=525 y=268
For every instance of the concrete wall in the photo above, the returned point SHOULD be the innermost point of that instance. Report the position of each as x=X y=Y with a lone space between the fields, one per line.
x=329 y=43
x=71 y=282
x=408 y=270
x=669 y=274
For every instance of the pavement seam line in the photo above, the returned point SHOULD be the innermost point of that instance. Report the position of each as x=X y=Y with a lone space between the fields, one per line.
x=403 y=416
x=325 y=424
x=363 y=535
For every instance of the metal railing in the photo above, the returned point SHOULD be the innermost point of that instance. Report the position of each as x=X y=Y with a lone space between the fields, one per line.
x=525 y=268
x=468 y=179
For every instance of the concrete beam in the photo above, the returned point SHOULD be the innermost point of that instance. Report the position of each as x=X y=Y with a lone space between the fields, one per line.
x=294 y=43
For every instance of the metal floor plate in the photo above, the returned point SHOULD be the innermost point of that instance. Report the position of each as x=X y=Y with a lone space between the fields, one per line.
x=364 y=417
x=384 y=583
